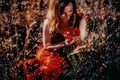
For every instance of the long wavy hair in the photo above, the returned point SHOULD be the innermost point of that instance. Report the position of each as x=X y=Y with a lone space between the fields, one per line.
x=55 y=10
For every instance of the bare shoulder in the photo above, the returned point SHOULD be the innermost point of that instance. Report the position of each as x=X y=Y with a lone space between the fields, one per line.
x=83 y=23
x=45 y=24
x=83 y=20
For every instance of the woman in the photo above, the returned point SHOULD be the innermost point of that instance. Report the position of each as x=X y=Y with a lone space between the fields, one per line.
x=61 y=16
x=62 y=20
x=62 y=27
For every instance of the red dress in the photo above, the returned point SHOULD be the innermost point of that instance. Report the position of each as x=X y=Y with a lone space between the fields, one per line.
x=48 y=65
x=51 y=64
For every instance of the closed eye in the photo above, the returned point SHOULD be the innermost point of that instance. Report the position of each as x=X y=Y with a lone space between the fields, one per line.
x=71 y=10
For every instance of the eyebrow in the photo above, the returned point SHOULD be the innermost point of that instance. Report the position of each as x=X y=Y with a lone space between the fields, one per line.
x=69 y=10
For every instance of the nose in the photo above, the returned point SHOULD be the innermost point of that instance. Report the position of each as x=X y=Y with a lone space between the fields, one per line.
x=67 y=15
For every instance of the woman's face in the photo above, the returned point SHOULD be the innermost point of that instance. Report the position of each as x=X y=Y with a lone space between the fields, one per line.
x=68 y=11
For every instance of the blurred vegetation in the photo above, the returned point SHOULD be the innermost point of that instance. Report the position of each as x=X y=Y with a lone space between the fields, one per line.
x=21 y=33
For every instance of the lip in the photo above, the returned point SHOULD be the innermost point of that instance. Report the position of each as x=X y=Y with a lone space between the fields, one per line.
x=65 y=20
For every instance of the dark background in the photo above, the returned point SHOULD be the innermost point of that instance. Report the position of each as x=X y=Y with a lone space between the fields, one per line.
x=21 y=33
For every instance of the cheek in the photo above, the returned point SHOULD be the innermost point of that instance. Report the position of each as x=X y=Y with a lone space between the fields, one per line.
x=63 y=16
x=70 y=13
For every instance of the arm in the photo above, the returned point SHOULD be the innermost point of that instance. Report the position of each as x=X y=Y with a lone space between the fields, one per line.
x=80 y=39
x=82 y=27
x=47 y=40
x=83 y=24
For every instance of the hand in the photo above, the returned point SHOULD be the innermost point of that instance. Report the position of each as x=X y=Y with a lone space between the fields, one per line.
x=77 y=39
x=69 y=42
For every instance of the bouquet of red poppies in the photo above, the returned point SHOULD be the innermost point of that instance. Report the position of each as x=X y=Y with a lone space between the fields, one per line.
x=69 y=34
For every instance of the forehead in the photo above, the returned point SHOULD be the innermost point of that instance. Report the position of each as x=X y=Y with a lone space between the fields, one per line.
x=68 y=7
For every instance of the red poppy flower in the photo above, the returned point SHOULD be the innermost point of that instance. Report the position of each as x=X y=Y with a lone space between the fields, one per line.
x=75 y=32
x=67 y=34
